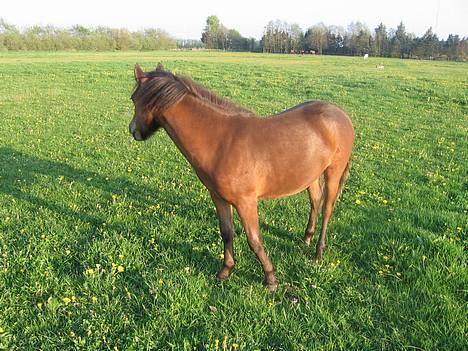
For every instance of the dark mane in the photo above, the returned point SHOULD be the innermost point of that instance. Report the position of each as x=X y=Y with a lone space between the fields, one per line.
x=164 y=89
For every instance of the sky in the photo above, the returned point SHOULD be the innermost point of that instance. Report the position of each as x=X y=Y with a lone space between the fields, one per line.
x=186 y=19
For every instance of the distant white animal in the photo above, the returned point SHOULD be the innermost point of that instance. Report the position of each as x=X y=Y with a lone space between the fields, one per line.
x=366 y=56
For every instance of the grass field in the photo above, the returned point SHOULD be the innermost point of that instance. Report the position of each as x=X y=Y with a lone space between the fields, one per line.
x=109 y=244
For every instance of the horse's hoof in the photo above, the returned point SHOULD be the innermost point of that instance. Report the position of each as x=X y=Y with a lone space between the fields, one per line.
x=221 y=277
x=317 y=259
x=318 y=255
x=272 y=286
x=223 y=274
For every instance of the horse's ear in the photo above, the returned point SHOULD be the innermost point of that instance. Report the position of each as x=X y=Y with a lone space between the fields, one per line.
x=139 y=74
x=159 y=67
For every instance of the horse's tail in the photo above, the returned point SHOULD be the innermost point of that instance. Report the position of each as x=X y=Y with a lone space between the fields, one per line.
x=344 y=178
x=322 y=189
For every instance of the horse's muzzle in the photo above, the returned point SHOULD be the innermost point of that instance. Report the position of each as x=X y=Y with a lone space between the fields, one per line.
x=136 y=133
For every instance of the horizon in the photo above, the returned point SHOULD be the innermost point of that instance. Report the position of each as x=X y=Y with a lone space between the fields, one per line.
x=444 y=17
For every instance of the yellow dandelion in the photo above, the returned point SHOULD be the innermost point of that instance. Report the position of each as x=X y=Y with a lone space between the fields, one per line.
x=385 y=257
x=89 y=271
x=398 y=274
x=94 y=299
x=2 y=330
x=121 y=257
x=358 y=202
x=39 y=305
x=68 y=252
x=380 y=272
x=66 y=300
x=385 y=201
x=120 y=269
x=235 y=346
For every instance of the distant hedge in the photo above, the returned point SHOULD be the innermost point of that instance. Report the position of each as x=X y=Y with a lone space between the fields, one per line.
x=50 y=38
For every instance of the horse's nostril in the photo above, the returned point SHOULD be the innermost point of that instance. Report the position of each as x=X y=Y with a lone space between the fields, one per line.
x=137 y=135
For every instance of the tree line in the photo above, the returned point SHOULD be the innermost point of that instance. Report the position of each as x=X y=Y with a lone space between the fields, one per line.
x=50 y=38
x=357 y=39
x=278 y=37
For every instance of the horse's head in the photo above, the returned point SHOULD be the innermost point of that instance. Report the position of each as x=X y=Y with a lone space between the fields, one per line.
x=145 y=121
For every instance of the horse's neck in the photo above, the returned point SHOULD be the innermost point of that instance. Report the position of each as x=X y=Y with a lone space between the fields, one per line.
x=197 y=129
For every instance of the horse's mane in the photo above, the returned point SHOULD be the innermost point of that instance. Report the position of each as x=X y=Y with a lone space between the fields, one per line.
x=164 y=89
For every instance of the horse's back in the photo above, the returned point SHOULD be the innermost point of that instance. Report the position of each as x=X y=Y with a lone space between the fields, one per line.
x=323 y=119
x=315 y=110
x=334 y=122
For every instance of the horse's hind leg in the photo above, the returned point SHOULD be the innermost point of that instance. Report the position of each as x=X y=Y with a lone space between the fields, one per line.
x=333 y=176
x=224 y=211
x=315 y=197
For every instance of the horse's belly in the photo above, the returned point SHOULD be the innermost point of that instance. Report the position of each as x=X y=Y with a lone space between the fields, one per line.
x=289 y=180
x=283 y=192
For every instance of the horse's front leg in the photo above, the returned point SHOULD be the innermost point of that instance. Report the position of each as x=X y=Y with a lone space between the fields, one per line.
x=226 y=226
x=248 y=213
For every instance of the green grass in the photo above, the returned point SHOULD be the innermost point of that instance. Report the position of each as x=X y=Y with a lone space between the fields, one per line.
x=79 y=198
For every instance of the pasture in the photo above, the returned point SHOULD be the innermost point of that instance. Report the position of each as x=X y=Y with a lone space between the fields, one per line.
x=106 y=243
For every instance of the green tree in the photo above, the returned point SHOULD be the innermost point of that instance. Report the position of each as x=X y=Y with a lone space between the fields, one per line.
x=358 y=39
x=10 y=36
x=400 y=44
x=430 y=44
x=380 y=40
x=210 y=36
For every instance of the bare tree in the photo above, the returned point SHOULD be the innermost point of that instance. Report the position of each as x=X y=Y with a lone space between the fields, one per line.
x=317 y=37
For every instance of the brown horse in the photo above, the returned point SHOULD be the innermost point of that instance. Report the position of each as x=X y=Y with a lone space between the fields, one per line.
x=241 y=158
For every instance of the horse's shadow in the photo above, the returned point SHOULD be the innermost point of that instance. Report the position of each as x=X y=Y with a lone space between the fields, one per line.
x=19 y=171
